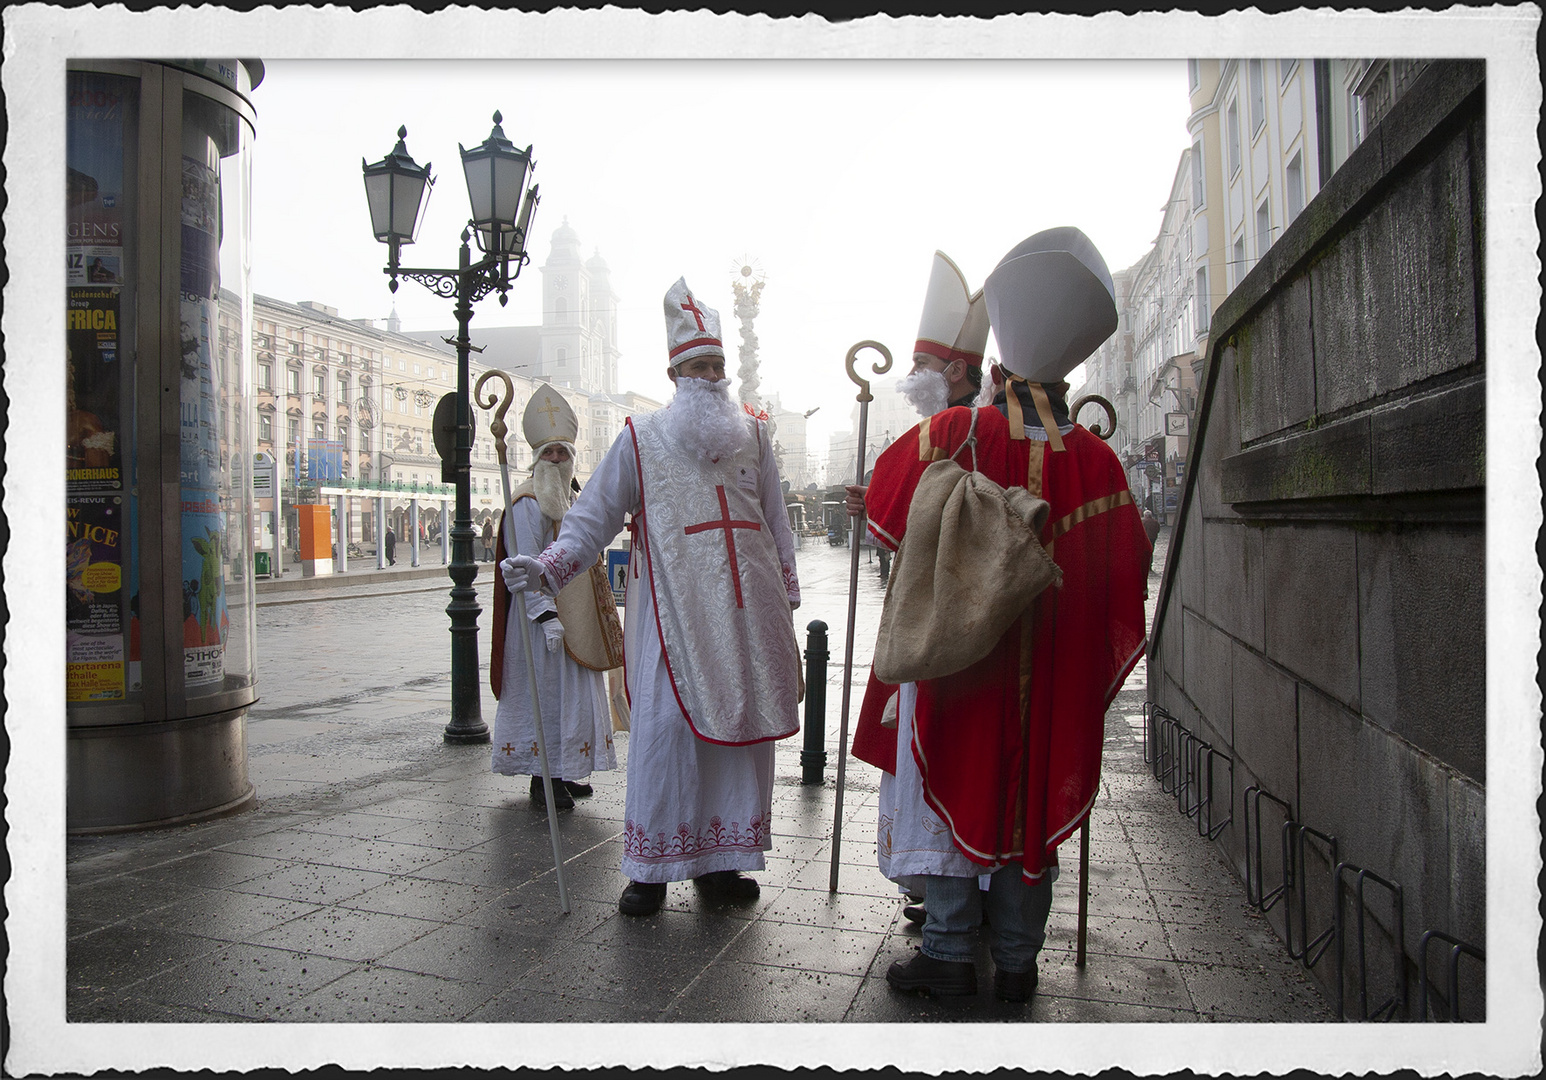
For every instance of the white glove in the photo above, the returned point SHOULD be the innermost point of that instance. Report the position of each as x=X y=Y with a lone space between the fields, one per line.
x=555 y=634
x=522 y=573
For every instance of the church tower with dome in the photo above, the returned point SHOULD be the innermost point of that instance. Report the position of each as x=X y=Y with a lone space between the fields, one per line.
x=579 y=318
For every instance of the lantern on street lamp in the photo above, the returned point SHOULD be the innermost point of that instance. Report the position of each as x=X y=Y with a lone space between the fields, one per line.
x=397 y=189
x=496 y=176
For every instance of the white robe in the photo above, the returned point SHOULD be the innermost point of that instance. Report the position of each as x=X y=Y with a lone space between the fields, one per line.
x=692 y=807
x=576 y=719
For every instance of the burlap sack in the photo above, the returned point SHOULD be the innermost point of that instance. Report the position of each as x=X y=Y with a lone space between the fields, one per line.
x=969 y=564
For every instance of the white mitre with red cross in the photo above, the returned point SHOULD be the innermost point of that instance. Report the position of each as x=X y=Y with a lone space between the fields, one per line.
x=955 y=320
x=692 y=327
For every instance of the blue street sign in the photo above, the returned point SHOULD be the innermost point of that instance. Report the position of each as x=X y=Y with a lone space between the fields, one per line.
x=617 y=573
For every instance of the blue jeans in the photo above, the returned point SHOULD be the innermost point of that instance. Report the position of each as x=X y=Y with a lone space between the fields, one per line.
x=1017 y=917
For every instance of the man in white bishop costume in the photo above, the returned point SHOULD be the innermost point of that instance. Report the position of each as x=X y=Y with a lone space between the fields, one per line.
x=713 y=667
x=576 y=637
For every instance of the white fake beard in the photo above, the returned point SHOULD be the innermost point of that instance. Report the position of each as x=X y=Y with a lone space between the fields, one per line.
x=550 y=483
x=703 y=419
x=926 y=390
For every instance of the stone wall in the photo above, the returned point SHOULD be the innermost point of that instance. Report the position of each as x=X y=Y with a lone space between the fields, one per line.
x=1322 y=614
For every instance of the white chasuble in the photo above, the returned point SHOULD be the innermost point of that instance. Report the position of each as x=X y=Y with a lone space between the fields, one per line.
x=692 y=807
x=721 y=602
x=576 y=719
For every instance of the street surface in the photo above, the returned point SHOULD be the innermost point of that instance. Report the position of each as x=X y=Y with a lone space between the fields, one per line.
x=387 y=876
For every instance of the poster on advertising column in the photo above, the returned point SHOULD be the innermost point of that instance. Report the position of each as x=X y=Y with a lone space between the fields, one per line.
x=205 y=619
x=92 y=446
x=94 y=616
x=95 y=179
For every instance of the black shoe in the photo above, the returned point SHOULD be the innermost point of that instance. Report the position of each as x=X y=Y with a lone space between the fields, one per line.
x=914 y=914
x=728 y=885
x=1014 y=985
x=642 y=898
x=914 y=898
x=940 y=978
x=561 y=797
x=577 y=789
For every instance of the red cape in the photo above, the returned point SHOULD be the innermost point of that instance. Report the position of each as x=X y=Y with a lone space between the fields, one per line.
x=1009 y=749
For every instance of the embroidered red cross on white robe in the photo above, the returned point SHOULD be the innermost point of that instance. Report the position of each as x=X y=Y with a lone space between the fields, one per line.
x=726 y=523
x=697 y=312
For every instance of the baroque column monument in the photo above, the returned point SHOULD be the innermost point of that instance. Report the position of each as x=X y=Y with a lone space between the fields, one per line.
x=747 y=284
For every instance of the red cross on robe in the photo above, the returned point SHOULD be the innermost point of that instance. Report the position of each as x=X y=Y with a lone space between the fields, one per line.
x=728 y=524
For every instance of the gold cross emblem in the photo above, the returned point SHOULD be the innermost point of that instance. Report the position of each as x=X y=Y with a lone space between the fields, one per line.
x=551 y=410
x=585 y=749
x=507 y=749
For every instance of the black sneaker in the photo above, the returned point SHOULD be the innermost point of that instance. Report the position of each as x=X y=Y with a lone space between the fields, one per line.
x=727 y=885
x=642 y=898
x=561 y=797
x=940 y=978
x=914 y=914
x=1014 y=985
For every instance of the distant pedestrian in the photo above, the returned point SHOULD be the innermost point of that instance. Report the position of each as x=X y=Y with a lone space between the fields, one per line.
x=488 y=539
x=391 y=547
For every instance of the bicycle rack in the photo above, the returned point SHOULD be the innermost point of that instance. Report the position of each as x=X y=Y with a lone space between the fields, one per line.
x=1263 y=902
x=1211 y=829
x=1457 y=947
x=1169 y=766
x=1151 y=711
x=1326 y=936
x=1187 y=746
x=1387 y=1009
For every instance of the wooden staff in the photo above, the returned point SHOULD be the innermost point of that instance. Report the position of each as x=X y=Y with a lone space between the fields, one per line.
x=498 y=429
x=865 y=397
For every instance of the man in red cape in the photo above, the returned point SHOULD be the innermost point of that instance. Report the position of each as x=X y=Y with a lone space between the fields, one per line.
x=1008 y=750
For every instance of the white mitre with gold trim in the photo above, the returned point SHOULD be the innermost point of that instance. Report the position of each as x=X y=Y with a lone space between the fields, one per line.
x=955 y=320
x=549 y=418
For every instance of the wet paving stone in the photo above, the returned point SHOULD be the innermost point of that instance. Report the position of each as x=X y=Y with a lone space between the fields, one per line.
x=441 y=901
x=226 y=915
x=215 y=869
x=380 y=995
x=808 y=948
x=345 y=934
x=688 y=933
x=315 y=884
x=120 y=956
x=633 y=977
x=472 y=953
x=818 y=907
x=245 y=980
x=520 y=1005
x=731 y=990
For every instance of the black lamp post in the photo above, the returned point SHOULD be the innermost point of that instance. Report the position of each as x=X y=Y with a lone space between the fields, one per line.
x=397 y=189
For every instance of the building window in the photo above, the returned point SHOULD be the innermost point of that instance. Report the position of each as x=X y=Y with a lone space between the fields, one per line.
x=1237 y=262
x=293 y=430
x=1263 y=228
x=319 y=383
x=319 y=429
x=560 y=309
x=1258 y=97
x=1234 y=138
x=563 y=356
x=265 y=377
x=295 y=348
x=415 y=369
x=418 y=443
x=1293 y=186
x=1199 y=184
x=365 y=443
x=402 y=365
x=265 y=428
x=1286 y=70
x=1193 y=74
x=343 y=385
x=1201 y=299
x=293 y=380
x=430 y=372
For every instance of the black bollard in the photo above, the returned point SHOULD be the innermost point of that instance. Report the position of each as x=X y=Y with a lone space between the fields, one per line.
x=813 y=758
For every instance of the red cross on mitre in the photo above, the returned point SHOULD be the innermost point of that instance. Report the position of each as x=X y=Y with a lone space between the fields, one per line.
x=697 y=312
x=726 y=523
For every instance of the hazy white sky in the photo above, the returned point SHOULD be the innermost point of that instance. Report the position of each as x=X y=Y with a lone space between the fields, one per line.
x=838 y=177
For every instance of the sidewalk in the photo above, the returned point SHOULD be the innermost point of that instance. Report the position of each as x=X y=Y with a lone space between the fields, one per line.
x=387 y=876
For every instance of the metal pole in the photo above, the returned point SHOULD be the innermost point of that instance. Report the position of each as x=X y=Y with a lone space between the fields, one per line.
x=1084 y=890
x=864 y=399
x=466 y=724
x=498 y=429
x=813 y=757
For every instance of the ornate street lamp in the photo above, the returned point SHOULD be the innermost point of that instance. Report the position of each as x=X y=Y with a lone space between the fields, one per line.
x=397 y=189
